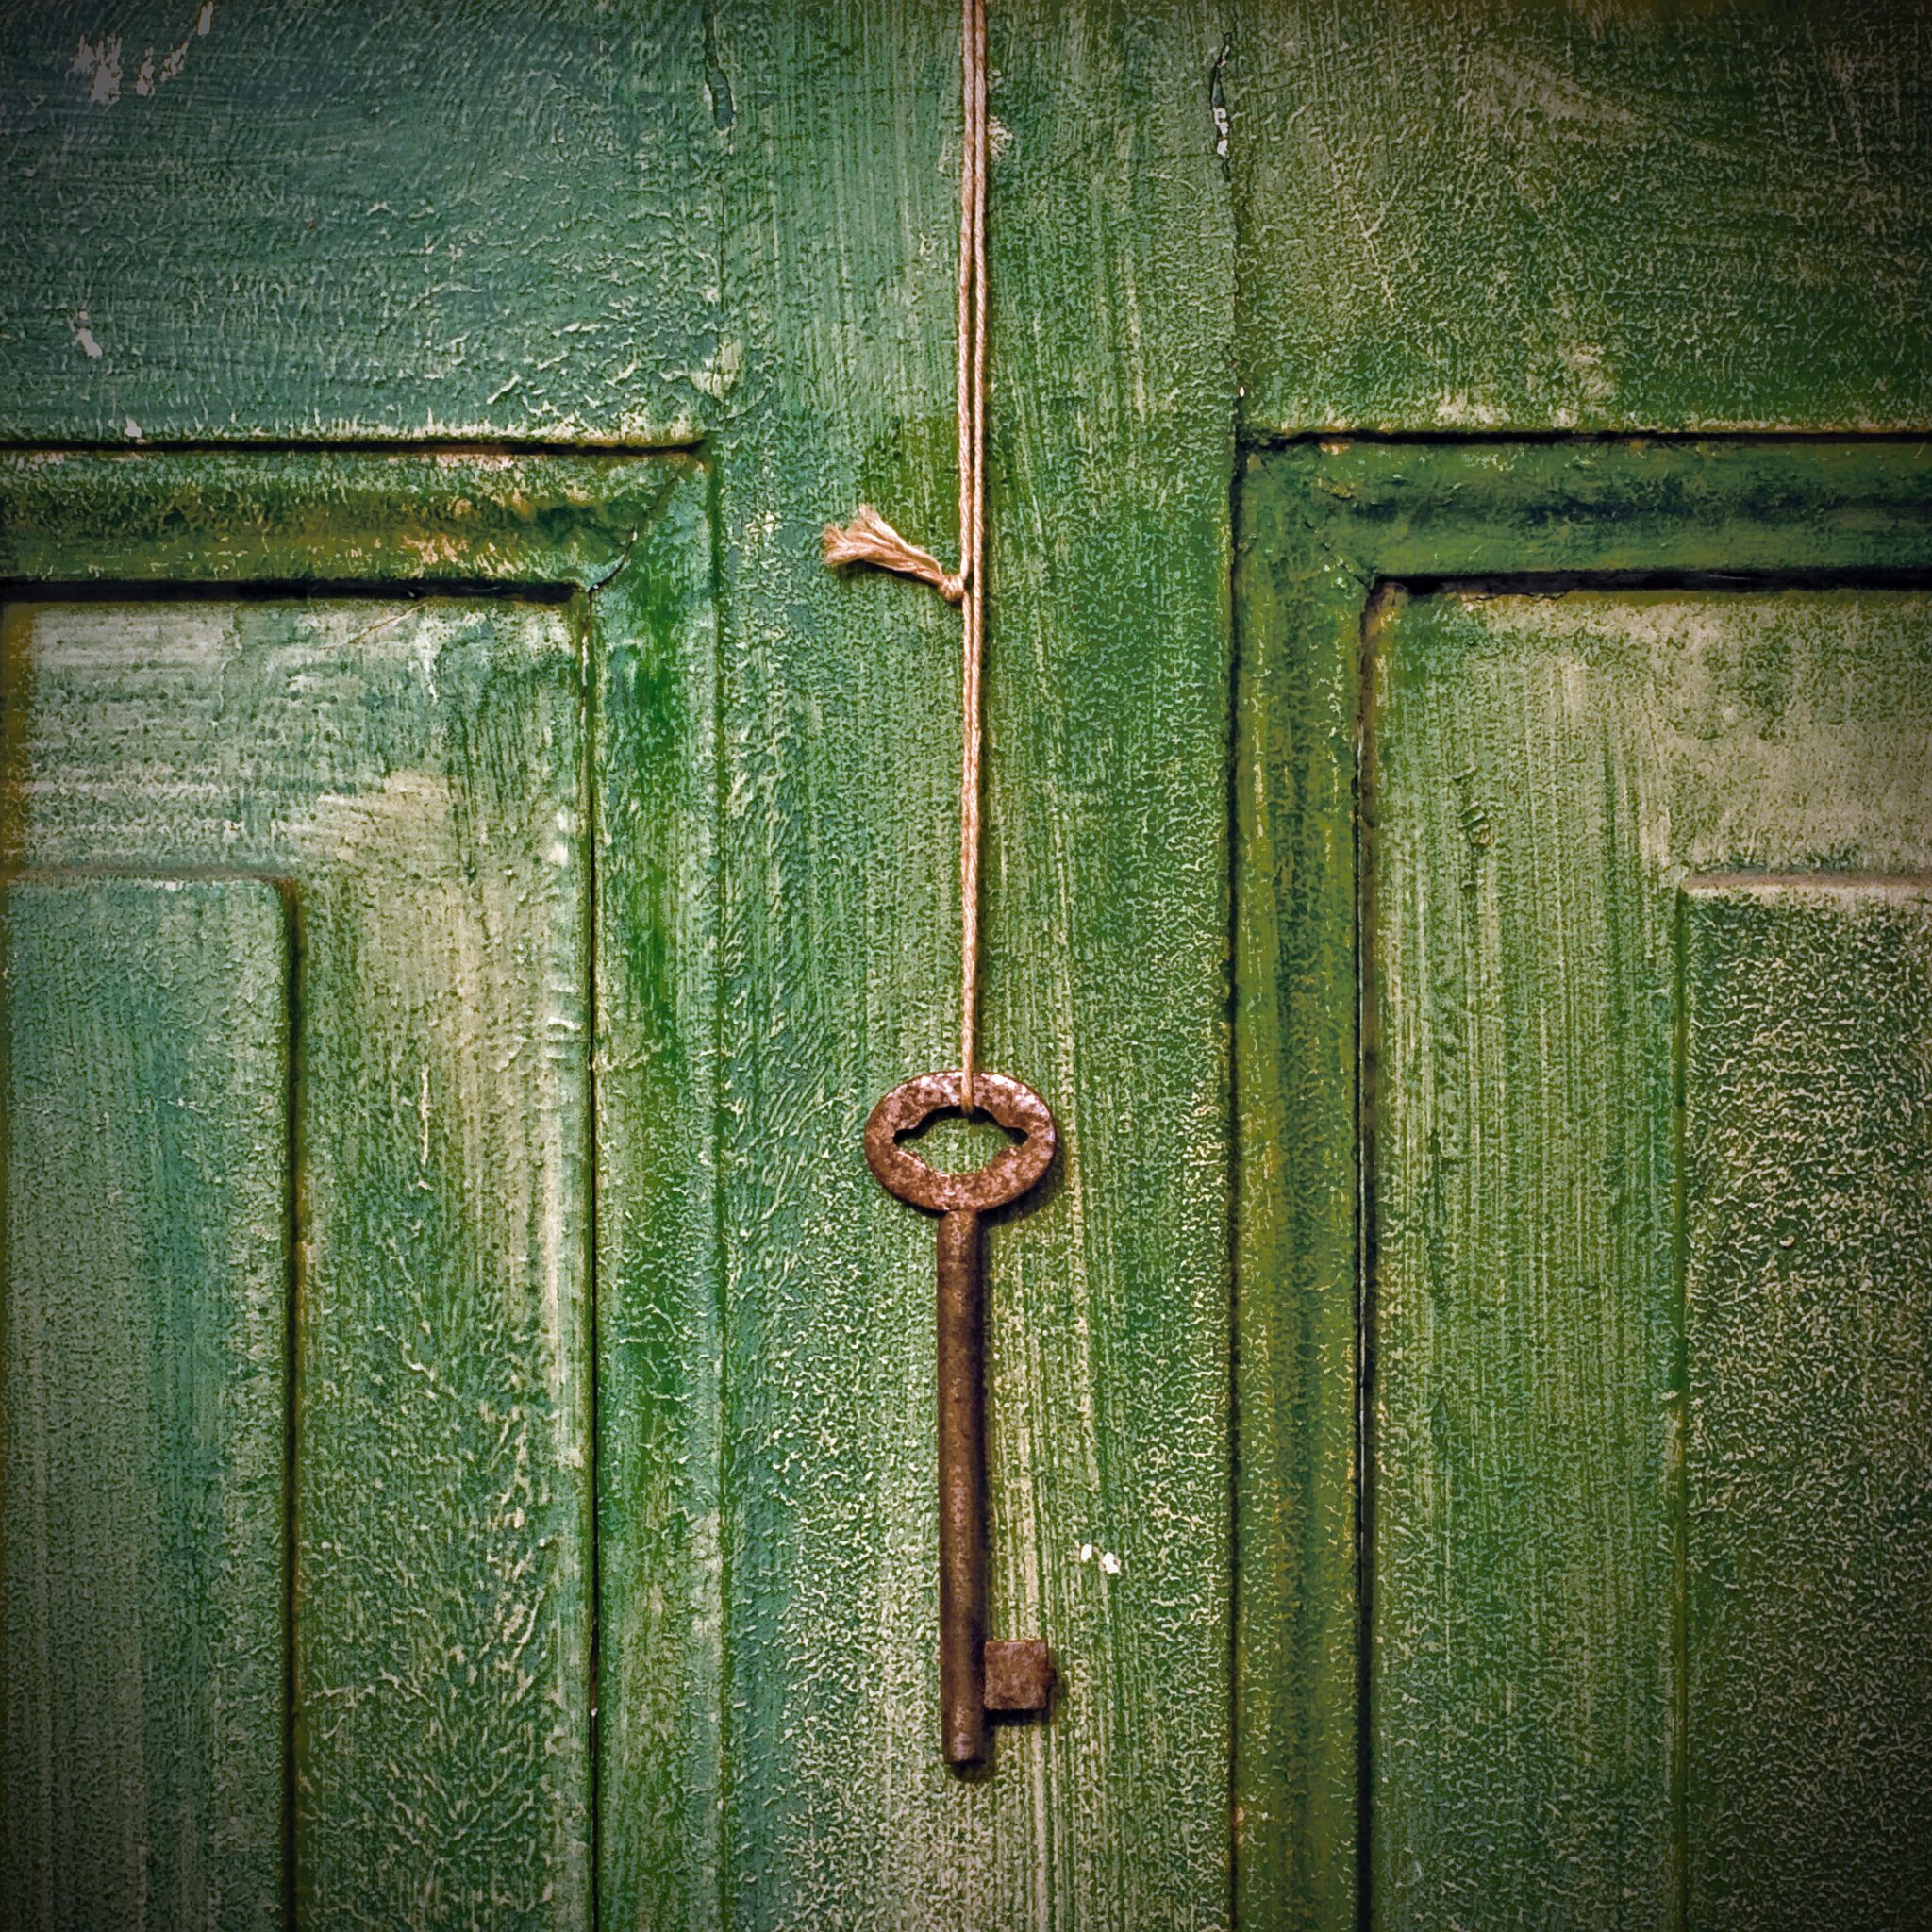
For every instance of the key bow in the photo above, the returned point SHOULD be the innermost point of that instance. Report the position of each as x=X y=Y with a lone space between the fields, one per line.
x=1004 y=1178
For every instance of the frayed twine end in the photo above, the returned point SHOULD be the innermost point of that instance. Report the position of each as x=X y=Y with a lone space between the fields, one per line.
x=869 y=538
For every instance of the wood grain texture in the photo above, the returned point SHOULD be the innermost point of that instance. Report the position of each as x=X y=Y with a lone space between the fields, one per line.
x=416 y=771
x=1106 y=973
x=630 y=541
x=659 y=1310
x=144 y=1393
x=1298 y=614
x=236 y=223
x=1807 y=1190
x=1321 y=526
x=1543 y=775
x=1622 y=215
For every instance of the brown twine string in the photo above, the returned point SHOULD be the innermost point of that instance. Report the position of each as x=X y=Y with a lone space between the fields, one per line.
x=870 y=540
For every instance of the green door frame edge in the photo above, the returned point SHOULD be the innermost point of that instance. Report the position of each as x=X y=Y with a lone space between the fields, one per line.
x=1322 y=526
x=626 y=542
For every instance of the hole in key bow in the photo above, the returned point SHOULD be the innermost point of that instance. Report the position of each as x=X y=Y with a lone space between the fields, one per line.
x=953 y=1142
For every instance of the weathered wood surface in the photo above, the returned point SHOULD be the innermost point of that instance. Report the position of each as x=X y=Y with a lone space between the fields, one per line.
x=1510 y=215
x=661 y=1685
x=1298 y=616
x=663 y=221
x=1320 y=528
x=311 y=223
x=143 y=1395
x=1543 y=773
x=1808 y=1188
x=416 y=771
x=1106 y=937
x=493 y=223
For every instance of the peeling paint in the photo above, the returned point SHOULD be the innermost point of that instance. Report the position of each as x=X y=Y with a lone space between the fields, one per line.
x=85 y=337
x=98 y=63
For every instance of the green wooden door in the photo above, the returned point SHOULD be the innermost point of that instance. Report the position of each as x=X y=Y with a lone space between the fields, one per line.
x=303 y=1157
x=1649 y=1445
x=412 y=775
x=470 y=870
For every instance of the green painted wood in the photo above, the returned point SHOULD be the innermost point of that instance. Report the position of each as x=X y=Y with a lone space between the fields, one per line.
x=1807 y=1190
x=1297 y=649
x=1463 y=219
x=630 y=541
x=553 y=524
x=417 y=771
x=223 y=222
x=1510 y=215
x=660 y=1314
x=144 y=1391
x=1543 y=773
x=766 y=253
x=1321 y=526
x=1107 y=972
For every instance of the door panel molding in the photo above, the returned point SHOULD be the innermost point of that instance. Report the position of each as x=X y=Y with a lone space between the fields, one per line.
x=1326 y=528
x=620 y=547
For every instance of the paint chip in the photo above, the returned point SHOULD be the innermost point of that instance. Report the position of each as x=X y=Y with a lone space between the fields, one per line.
x=85 y=337
x=1110 y=1562
x=98 y=63
x=1085 y=1552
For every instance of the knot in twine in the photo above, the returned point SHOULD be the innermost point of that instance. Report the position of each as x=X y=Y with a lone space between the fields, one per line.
x=869 y=538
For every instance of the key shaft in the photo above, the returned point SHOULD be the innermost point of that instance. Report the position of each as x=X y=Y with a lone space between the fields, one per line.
x=962 y=1488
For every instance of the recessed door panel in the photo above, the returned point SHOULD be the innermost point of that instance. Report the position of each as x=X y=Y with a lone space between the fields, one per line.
x=144 y=1398
x=1807 y=1244
x=416 y=773
x=1544 y=774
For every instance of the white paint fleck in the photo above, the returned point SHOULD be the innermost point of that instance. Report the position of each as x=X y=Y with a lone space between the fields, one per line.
x=144 y=79
x=131 y=430
x=1585 y=361
x=85 y=337
x=1085 y=1552
x=1462 y=410
x=1110 y=1562
x=205 y=18
x=98 y=63
x=720 y=369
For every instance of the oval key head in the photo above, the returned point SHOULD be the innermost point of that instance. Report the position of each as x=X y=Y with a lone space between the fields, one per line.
x=1004 y=1178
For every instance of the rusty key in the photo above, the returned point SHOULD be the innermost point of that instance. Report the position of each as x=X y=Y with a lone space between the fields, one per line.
x=976 y=1674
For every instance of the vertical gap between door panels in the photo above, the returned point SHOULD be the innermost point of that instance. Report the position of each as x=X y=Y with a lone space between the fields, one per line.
x=724 y=1808
x=292 y=1344
x=1680 y=1474
x=1362 y=820
x=1232 y=908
